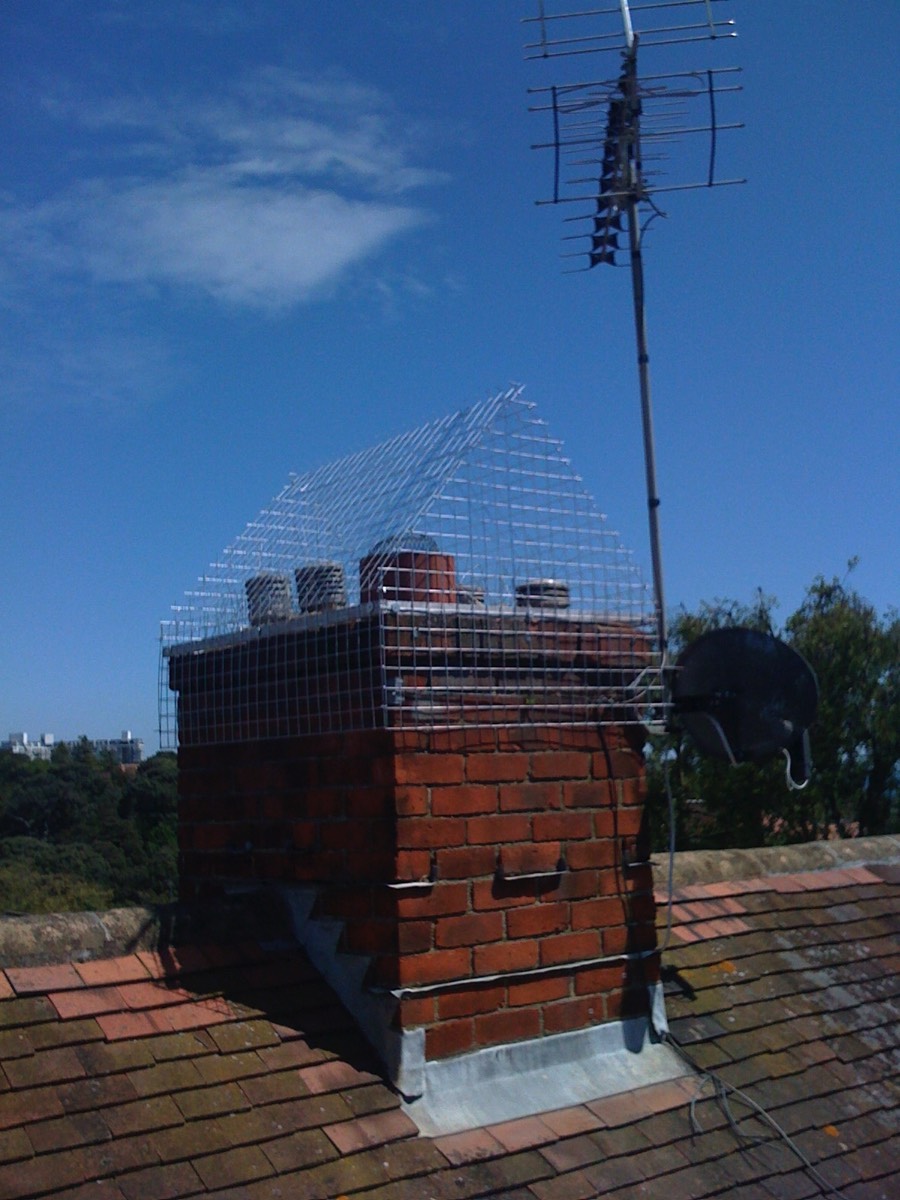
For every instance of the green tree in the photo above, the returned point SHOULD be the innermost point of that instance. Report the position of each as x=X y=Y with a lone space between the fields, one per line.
x=716 y=805
x=855 y=785
x=856 y=737
x=79 y=830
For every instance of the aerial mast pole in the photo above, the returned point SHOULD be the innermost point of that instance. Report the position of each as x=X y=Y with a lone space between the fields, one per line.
x=655 y=109
x=630 y=174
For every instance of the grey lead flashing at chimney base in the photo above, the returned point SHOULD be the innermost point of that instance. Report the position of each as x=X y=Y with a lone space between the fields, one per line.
x=498 y=1083
x=502 y=1083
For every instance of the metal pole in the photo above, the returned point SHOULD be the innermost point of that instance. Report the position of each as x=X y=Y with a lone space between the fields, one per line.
x=632 y=173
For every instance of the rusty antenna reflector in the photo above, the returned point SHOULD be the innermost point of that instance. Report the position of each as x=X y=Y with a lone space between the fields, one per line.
x=610 y=141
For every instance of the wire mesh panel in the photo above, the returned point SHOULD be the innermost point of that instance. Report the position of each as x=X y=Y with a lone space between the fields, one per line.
x=459 y=574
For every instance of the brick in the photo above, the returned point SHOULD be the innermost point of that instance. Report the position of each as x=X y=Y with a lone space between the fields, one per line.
x=410 y=865
x=572 y=1014
x=429 y=768
x=354 y=834
x=626 y=764
x=466 y=862
x=556 y=764
x=508 y=1025
x=530 y=858
x=566 y=825
x=618 y=940
x=470 y=1001
x=537 y=919
x=576 y=884
x=590 y=854
x=496 y=768
x=431 y=832
x=497 y=893
x=434 y=967
x=496 y=829
x=632 y=793
x=370 y=937
x=410 y=801
x=450 y=1037
x=502 y=957
x=469 y=930
x=593 y=980
x=601 y=913
x=538 y=991
x=412 y=937
x=416 y=1010
x=593 y=793
x=530 y=797
x=442 y=899
x=370 y=803
x=467 y=799
x=627 y=822
x=569 y=947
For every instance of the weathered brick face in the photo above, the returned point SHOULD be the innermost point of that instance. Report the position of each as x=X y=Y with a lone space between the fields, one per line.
x=525 y=845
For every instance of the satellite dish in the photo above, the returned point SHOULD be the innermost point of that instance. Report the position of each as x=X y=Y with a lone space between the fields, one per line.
x=746 y=696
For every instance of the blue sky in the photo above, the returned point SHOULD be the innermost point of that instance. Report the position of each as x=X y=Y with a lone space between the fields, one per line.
x=239 y=240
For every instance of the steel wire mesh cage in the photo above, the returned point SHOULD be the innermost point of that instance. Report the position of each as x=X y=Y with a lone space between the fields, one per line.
x=457 y=575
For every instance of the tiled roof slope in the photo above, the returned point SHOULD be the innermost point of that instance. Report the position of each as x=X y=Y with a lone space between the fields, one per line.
x=236 y=1075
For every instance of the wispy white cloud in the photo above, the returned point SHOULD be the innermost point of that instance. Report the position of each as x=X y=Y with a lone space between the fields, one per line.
x=265 y=196
x=263 y=246
x=259 y=197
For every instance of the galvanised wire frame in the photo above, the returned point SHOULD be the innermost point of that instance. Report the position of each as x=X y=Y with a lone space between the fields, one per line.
x=459 y=574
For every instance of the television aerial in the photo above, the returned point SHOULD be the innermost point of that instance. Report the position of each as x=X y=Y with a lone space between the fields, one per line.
x=742 y=695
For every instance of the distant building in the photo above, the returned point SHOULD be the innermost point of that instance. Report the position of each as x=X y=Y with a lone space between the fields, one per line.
x=127 y=750
x=18 y=743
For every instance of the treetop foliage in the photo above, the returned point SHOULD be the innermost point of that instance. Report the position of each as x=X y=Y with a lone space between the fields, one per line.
x=855 y=741
x=78 y=832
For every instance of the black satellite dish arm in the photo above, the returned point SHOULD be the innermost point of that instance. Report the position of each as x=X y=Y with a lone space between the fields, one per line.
x=798 y=758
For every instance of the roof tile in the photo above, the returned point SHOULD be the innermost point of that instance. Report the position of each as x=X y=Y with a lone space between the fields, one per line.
x=28 y=981
x=566 y=1122
x=162 y=1183
x=14 y=1145
x=470 y=1146
x=137 y=1116
x=785 y=986
x=358 y=1134
x=298 y=1150
x=104 y=971
x=88 y=1002
x=232 y=1167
